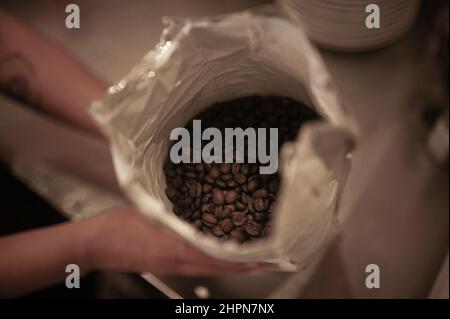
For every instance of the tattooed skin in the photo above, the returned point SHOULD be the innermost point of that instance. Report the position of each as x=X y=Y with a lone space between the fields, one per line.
x=15 y=77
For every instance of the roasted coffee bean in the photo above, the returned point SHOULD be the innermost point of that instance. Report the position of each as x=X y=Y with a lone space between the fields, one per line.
x=271 y=208
x=177 y=209
x=239 y=218
x=171 y=173
x=240 y=206
x=251 y=185
x=240 y=179
x=245 y=169
x=218 y=231
x=194 y=188
x=206 y=229
x=259 y=204
x=196 y=215
x=221 y=183
x=244 y=198
x=186 y=214
x=190 y=175
x=218 y=197
x=225 y=168
x=199 y=167
x=235 y=168
x=231 y=184
x=198 y=224
x=226 y=177
x=230 y=197
x=206 y=188
x=206 y=198
x=211 y=208
x=226 y=225
x=171 y=192
x=209 y=220
x=251 y=205
x=197 y=203
x=260 y=193
x=237 y=235
x=273 y=186
x=177 y=181
x=252 y=229
x=214 y=172
x=260 y=217
x=179 y=170
x=209 y=179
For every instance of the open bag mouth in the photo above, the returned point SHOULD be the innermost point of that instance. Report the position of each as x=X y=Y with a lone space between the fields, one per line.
x=203 y=61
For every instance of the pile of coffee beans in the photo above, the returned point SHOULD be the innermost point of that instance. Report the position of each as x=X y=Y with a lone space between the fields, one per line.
x=232 y=200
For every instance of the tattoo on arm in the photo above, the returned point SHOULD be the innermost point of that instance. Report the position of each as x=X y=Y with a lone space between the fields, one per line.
x=16 y=76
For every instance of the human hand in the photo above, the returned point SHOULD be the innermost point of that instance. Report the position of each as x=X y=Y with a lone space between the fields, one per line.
x=124 y=240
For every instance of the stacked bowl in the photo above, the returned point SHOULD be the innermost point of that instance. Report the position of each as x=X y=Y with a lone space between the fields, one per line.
x=341 y=24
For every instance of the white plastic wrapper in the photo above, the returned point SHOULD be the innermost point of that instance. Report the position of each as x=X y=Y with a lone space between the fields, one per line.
x=202 y=61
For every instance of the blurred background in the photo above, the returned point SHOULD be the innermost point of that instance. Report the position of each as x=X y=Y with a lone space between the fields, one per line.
x=396 y=194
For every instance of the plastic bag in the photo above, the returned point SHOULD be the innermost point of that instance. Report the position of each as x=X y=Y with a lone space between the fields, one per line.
x=202 y=61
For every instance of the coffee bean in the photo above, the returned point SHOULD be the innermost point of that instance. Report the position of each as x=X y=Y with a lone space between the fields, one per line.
x=240 y=179
x=273 y=186
x=240 y=206
x=251 y=205
x=260 y=193
x=231 y=184
x=209 y=220
x=177 y=181
x=218 y=231
x=271 y=208
x=206 y=229
x=245 y=169
x=214 y=172
x=225 y=168
x=223 y=212
x=198 y=224
x=221 y=183
x=194 y=188
x=218 y=197
x=226 y=177
x=237 y=235
x=199 y=167
x=260 y=217
x=171 y=192
x=259 y=204
x=186 y=214
x=177 y=210
x=206 y=188
x=209 y=179
x=179 y=170
x=190 y=175
x=206 y=198
x=171 y=173
x=251 y=229
x=230 y=197
x=239 y=218
x=251 y=185
x=244 y=198
x=211 y=208
x=235 y=168
x=196 y=215
x=226 y=225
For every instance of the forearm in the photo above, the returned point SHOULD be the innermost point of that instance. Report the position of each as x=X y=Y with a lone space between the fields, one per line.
x=35 y=259
x=40 y=72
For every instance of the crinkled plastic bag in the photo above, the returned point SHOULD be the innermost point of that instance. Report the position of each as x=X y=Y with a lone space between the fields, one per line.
x=202 y=61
